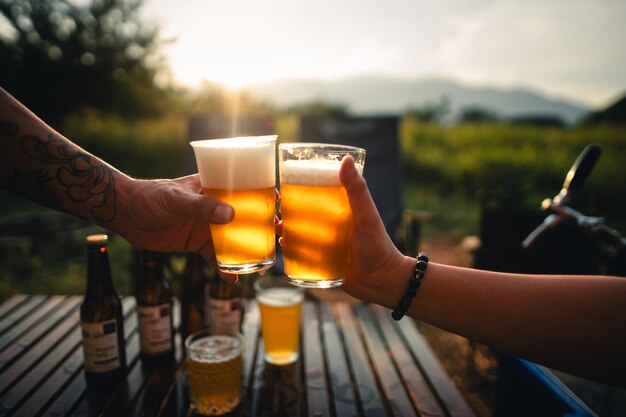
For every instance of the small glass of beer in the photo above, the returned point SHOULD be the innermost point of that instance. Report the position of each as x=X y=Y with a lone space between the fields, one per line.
x=280 y=304
x=214 y=369
x=316 y=215
x=241 y=172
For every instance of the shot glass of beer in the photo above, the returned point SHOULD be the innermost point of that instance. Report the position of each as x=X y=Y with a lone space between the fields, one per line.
x=316 y=215
x=214 y=370
x=241 y=172
x=280 y=305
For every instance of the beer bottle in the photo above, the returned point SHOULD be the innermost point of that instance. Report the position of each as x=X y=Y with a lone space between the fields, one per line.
x=224 y=307
x=192 y=287
x=154 y=310
x=101 y=317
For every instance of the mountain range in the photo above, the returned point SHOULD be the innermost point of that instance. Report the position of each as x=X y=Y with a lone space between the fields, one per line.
x=390 y=95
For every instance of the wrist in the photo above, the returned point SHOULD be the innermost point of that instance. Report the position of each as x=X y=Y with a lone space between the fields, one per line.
x=123 y=189
x=388 y=290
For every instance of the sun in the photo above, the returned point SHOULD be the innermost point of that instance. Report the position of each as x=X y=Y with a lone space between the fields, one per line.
x=233 y=72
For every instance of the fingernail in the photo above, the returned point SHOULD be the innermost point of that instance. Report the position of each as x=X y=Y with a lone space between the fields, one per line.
x=223 y=213
x=352 y=168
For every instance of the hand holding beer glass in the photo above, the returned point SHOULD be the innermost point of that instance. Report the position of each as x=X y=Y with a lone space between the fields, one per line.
x=315 y=212
x=241 y=172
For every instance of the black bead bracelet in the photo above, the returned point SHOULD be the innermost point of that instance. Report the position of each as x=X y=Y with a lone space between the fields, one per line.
x=414 y=283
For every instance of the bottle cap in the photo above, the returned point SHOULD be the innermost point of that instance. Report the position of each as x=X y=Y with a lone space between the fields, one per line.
x=97 y=239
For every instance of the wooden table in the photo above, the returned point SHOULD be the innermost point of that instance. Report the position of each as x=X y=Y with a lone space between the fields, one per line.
x=355 y=361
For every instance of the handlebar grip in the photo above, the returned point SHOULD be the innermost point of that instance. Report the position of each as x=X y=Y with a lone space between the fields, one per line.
x=579 y=172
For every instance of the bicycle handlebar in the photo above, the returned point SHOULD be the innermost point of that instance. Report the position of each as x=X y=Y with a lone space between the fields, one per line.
x=577 y=175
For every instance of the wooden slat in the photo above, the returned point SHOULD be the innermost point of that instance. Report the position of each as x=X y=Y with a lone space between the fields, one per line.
x=47 y=326
x=66 y=387
x=340 y=380
x=391 y=384
x=92 y=402
x=53 y=384
x=21 y=312
x=262 y=392
x=368 y=396
x=354 y=362
x=26 y=323
x=443 y=385
x=176 y=401
x=251 y=328
x=54 y=341
x=313 y=358
x=289 y=389
x=11 y=303
x=131 y=385
x=417 y=387
x=152 y=398
x=32 y=382
x=281 y=390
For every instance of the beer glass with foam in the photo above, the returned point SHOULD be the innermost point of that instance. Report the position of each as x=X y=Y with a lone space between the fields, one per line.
x=280 y=305
x=316 y=215
x=214 y=369
x=241 y=172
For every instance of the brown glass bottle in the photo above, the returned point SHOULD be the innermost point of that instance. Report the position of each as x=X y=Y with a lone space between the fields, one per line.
x=224 y=306
x=192 y=287
x=154 y=310
x=101 y=317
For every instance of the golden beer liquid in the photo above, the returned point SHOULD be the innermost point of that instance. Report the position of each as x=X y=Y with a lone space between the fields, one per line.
x=280 y=323
x=215 y=385
x=316 y=228
x=249 y=238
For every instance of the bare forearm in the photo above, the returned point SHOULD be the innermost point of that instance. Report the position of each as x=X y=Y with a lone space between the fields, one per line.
x=40 y=164
x=573 y=323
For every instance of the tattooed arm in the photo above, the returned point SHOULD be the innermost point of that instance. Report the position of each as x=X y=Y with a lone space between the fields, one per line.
x=38 y=163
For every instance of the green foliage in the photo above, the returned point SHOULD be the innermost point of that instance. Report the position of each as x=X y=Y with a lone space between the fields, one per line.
x=430 y=112
x=525 y=162
x=215 y=100
x=59 y=56
x=148 y=148
x=319 y=108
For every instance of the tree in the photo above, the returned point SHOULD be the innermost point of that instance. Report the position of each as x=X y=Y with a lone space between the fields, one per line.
x=614 y=114
x=59 y=56
x=477 y=114
x=430 y=112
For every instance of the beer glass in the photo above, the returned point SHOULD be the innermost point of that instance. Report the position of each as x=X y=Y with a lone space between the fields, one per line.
x=241 y=172
x=280 y=304
x=214 y=370
x=316 y=215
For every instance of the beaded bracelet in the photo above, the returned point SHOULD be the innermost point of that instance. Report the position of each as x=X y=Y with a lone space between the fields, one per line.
x=411 y=290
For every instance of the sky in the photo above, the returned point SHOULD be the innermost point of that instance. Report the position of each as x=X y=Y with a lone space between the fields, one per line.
x=572 y=49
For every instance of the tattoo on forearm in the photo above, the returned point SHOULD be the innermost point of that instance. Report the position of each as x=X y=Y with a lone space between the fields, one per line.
x=8 y=128
x=86 y=180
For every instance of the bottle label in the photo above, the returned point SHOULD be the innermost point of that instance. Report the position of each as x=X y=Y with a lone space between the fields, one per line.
x=155 y=329
x=223 y=316
x=100 y=346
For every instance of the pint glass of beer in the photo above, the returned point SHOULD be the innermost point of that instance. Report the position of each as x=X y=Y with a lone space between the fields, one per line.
x=316 y=215
x=280 y=304
x=214 y=370
x=241 y=172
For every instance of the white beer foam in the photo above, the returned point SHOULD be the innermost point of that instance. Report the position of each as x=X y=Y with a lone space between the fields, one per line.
x=236 y=163
x=312 y=172
x=214 y=349
x=280 y=297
